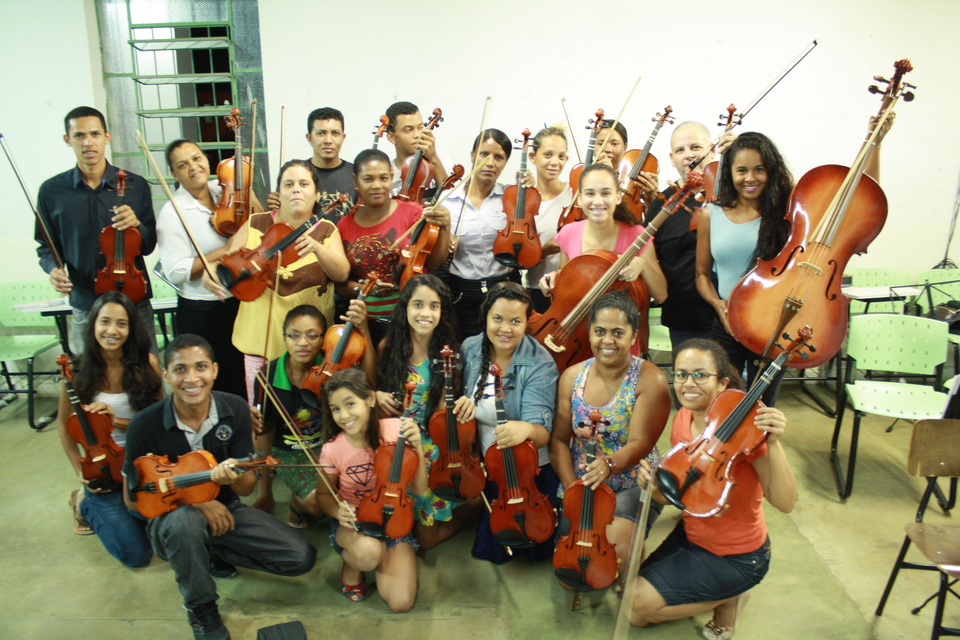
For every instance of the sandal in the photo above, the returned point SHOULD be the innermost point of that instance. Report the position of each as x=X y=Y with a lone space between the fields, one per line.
x=354 y=592
x=298 y=519
x=713 y=631
x=80 y=525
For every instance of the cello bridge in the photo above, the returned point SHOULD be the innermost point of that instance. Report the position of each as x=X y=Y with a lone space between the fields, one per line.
x=806 y=265
x=553 y=345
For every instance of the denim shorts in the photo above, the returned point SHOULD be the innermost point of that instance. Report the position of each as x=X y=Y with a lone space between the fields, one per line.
x=628 y=506
x=683 y=572
x=391 y=543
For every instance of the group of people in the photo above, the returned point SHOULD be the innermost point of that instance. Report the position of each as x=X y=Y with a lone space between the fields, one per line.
x=236 y=370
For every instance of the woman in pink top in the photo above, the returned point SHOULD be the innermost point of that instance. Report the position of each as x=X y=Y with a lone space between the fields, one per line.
x=710 y=564
x=609 y=225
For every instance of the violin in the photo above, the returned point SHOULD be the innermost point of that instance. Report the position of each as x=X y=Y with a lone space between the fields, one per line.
x=387 y=512
x=103 y=462
x=424 y=237
x=120 y=248
x=248 y=272
x=520 y=516
x=710 y=171
x=380 y=130
x=342 y=347
x=415 y=174
x=698 y=476
x=563 y=327
x=518 y=245
x=235 y=177
x=167 y=485
x=574 y=212
x=834 y=212
x=585 y=560
x=457 y=474
x=635 y=161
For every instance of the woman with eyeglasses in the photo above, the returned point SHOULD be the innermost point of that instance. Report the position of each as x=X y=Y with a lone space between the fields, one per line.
x=633 y=398
x=710 y=564
x=303 y=330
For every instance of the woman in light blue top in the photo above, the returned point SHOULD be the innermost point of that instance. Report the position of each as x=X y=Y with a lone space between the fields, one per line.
x=745 y=224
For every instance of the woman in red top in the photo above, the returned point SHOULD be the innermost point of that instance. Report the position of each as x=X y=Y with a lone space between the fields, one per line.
x=710 y=564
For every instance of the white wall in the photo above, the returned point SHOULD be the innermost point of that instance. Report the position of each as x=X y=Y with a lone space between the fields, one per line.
x=528 y=55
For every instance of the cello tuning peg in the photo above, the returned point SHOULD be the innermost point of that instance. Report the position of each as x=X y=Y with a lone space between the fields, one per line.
x=908 y=96
x=786 y=336
x=804 y=355
x=881 y=79
x=874 y=89
x=812 y=348
x=778 y=345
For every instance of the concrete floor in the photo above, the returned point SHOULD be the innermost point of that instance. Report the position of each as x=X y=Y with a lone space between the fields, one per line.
x=830 y=562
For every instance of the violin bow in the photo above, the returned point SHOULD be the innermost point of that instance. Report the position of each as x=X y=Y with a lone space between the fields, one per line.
x=283 y=134
x=619 y=115
x=563 y=105
x=476 y=156
x=44 y=231
x=298 y=436
x=176 y=206
x=737 y=119
x=622 y=627
x=253 y=138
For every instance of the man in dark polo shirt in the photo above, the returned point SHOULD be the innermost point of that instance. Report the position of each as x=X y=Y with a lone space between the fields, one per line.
x=203 y=541
x=77 y=204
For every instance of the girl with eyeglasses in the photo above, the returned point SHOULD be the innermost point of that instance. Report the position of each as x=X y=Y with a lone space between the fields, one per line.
x=710 y=564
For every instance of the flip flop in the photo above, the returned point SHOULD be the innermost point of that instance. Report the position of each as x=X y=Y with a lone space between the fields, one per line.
x=80 y=525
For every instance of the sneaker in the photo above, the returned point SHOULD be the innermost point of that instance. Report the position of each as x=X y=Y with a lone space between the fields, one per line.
x=220 y=568
x=206 y=622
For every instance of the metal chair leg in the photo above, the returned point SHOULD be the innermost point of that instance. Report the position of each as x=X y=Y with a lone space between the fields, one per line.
x=37 y=425
x=893 y=575
x=845 y=487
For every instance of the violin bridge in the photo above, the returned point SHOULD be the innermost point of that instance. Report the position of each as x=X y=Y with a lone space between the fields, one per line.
x=581 y=543
x=515 y=501
x=453 y=465
x=163 y=485
x=391 y=495
x=99 y=458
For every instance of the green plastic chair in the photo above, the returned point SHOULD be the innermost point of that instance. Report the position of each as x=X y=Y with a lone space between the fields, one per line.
x=941 y=285
x=162 y=289
x=877 y=278
x=896 y=343
x=659 y=335
x=25 y=346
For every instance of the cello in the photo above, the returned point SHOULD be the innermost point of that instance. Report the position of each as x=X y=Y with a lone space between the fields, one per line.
x=386 y=512
x=248 y=272
x=342 y=348
x=834 y=212
x=417 y=175
x=423 y=239
x=457 y=474
x=235 y=176
x=518 y=245
x=698 y=476
x=120 y=248
x=103 y=462
x=574 y=212
x=585 y=560
x=635 y=161
x=520 y=516
x=563 y=327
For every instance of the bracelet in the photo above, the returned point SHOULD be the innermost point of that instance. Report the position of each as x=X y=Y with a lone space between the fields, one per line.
x=610 y=463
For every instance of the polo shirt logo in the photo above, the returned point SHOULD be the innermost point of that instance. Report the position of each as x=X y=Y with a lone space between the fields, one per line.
x=224 y=432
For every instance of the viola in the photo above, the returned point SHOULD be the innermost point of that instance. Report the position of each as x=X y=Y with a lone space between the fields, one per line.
x=518 y=245
x=235 y=176
x=574 y=212
x=380 y=130
x=585 y=560
x=834 y=212
x=166 y=485
x=120 y=248
x=248 y=272
x=415 y=174
x=457 y=474
x=103 y=461
x=698 y=476
x=520 y=516
x=563 y=328
x=424 y=237
x=342 y=347
x=635 y=161
x=387 y=512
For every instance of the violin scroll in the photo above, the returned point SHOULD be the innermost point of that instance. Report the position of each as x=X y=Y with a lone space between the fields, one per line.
x=665 y=117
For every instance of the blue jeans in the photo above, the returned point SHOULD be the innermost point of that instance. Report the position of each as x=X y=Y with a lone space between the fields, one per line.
x=123 y=534
x=258 y=541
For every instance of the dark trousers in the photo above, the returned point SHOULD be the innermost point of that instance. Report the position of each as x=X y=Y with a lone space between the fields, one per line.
x=213 y=321
x=742 y=358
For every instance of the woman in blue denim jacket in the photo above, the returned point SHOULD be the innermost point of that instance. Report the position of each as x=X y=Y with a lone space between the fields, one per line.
x=530 y=393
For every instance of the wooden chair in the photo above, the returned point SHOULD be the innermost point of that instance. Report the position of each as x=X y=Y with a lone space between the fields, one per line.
x=934 y=453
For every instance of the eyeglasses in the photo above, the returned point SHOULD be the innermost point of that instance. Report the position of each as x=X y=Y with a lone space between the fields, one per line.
x=295 y=337
x=699 y=377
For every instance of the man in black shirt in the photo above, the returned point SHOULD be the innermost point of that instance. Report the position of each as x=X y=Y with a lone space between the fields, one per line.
x=77 y=204
x=325 y=133
x=205 y=540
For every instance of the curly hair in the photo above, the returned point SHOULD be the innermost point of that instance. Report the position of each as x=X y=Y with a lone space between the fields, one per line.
x=141 y=382
x=719 y=357
x=774 y=228
x=356 y=381
x=507 y=291
x=398 y=345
